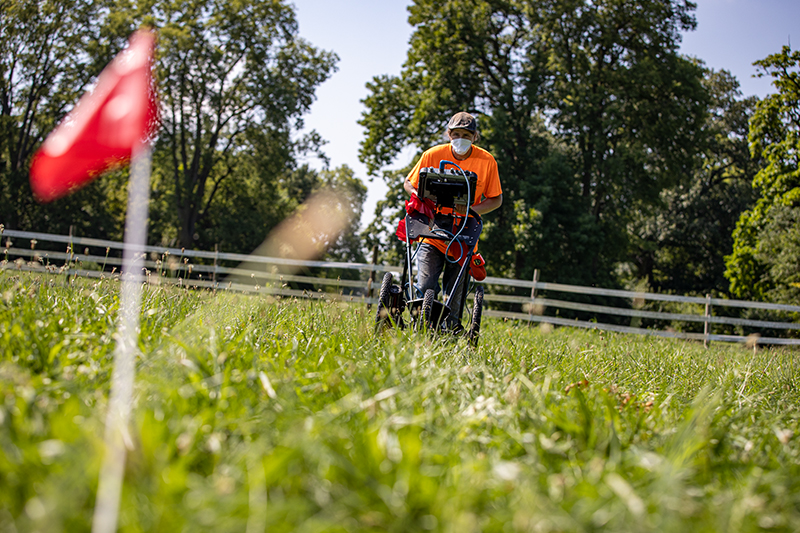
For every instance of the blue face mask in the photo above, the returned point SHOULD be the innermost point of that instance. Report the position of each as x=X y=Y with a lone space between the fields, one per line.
x=460 y=146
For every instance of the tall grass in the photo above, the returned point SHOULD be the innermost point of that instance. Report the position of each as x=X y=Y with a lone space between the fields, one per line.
x=255 y=414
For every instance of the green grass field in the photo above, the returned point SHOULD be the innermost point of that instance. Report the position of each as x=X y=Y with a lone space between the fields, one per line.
x=254 y=414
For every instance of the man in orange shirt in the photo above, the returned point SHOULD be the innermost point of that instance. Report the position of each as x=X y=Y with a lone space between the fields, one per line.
x=462 y=130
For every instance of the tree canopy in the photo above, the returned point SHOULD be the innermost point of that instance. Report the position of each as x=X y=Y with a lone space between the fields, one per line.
x=234 y=80
x=621 y=160
x=766 y=250
x=587 y=106
x=680 y=244
x=234 y=77
x=49 y=53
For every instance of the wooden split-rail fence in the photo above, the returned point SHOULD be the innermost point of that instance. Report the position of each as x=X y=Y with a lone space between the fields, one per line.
x=719 y=318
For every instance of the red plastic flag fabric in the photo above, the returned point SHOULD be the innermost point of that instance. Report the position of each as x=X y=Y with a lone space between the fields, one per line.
x=401 y=230
x=103 y=129
x=415 y=204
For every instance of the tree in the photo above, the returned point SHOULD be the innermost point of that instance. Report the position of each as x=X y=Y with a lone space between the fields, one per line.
x=49 y=53
x=233 y=76
x=467 y=56
x=626 y=102
x=679 y=245
x=348 y=247
x=234 y=79
x=765 y=255
x=586 y=105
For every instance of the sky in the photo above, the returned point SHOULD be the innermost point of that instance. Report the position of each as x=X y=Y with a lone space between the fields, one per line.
x=371 y=38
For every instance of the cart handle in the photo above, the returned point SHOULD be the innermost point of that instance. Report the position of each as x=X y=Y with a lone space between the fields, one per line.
x=444 y=162
x=473 y=213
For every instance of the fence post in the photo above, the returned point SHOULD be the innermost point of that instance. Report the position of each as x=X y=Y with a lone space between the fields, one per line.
x=706 y=323
x=214 y=272
x=533 y=291
x=71 y=250
x=371 y=278
x=70 y=254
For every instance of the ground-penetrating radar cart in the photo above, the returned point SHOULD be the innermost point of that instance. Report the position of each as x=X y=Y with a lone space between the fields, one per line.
x=446 y=192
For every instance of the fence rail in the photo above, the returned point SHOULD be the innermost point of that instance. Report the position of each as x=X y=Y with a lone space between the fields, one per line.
x=214 y=270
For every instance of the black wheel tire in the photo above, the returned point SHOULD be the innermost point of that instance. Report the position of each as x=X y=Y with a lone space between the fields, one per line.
x=475 y=323
x=382 y=316
x=426 y=313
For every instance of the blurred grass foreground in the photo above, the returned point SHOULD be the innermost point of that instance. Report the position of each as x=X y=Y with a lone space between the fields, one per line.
x=255 y=414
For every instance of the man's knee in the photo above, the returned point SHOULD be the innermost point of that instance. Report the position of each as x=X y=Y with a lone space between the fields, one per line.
x=428 y=279
x=429 y=267
x=426 y=282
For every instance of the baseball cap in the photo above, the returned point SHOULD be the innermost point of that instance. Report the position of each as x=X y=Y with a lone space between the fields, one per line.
x=463 y=120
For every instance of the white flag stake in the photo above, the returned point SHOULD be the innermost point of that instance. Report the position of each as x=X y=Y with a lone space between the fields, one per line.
x=117 y=437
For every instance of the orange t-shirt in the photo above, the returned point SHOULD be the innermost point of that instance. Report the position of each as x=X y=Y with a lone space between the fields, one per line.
x=479 y=161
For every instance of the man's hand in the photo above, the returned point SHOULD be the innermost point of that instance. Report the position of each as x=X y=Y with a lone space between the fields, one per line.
x=410 y=189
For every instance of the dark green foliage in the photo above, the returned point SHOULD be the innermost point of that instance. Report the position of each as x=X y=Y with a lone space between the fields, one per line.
x=234 y=80
x=764 y=258
x=620 y=160
x=348 y=247
x=587 y=107
x=49 y=53
x=388 y=212
x=679 y=244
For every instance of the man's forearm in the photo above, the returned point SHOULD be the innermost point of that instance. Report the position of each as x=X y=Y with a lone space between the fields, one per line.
x=488 y=205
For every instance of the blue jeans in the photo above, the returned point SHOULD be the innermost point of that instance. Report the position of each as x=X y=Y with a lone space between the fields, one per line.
x=430 y=263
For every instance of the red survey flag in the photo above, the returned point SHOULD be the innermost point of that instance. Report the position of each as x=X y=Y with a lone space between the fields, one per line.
x=103 y=129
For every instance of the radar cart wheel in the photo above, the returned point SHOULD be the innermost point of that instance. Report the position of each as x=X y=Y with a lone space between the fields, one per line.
x=475 y=323
x=390 y=305
x=426 y=313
